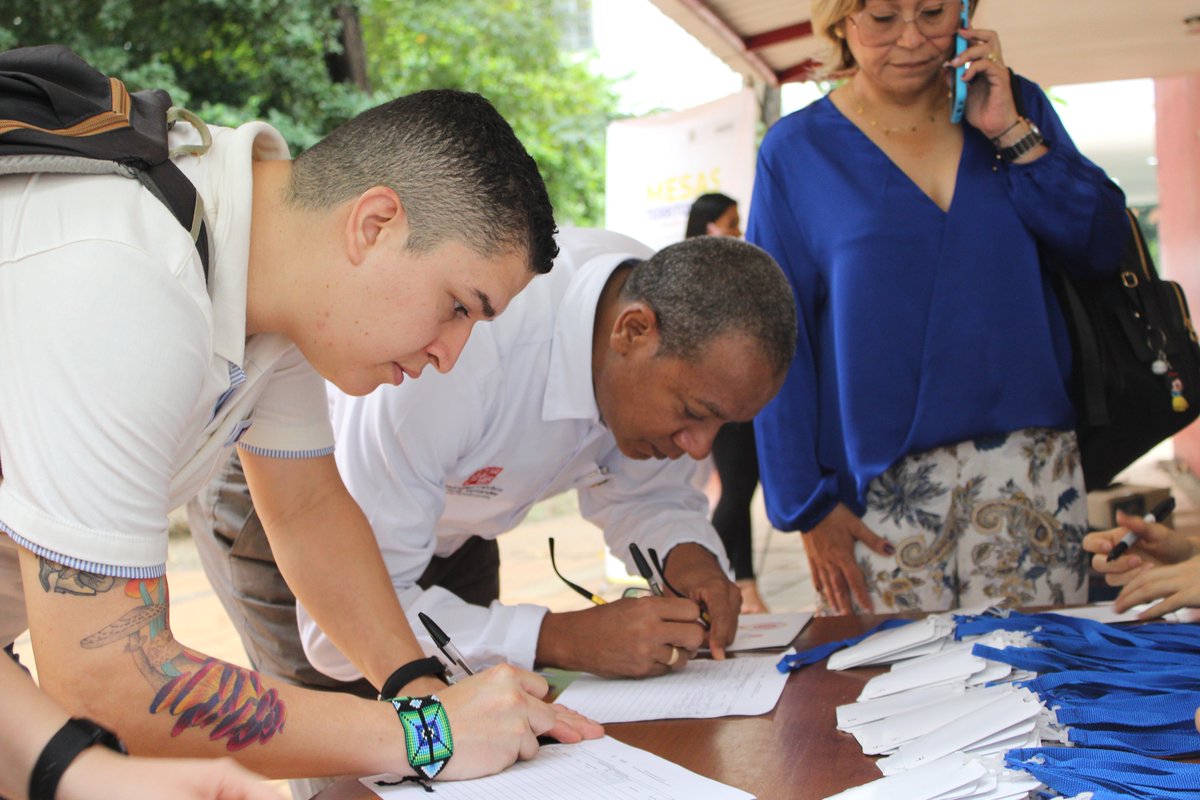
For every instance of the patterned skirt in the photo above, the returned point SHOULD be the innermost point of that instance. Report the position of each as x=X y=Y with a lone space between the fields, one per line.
x=992 y=520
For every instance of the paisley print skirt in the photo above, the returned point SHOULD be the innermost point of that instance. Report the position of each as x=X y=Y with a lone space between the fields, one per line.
x=992 y=520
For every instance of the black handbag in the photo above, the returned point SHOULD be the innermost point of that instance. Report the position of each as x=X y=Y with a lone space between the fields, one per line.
x=1136 y=375
x=1135 y=379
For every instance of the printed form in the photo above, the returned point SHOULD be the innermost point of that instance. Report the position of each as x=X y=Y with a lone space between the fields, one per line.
x=702 y=690
x=598 y=769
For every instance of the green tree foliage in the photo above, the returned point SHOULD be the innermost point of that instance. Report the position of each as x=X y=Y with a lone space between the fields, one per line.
x=228 y=60
x=508 y=51
x=235 y=60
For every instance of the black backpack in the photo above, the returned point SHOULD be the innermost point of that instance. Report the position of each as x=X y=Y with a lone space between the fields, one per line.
x=60 y=114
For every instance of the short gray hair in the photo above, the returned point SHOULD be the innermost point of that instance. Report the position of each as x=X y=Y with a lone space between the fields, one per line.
x=710 y=286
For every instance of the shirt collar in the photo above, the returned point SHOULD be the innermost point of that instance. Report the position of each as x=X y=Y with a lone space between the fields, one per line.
x=569 y=390
x=228 y=206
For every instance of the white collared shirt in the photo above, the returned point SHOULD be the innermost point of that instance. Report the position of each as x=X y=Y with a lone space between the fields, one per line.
x=437 y=460
x=122 y=381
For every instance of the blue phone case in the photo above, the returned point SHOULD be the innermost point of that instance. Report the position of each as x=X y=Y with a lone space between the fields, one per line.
x=960 y=86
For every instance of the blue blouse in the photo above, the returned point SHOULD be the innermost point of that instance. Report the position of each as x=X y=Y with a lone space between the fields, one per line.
x=918 y=327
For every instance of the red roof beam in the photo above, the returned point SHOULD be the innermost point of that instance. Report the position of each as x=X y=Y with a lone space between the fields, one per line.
x=801 y=30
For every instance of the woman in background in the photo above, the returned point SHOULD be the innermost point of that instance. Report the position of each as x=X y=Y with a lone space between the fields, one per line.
x=923 y=440
x=733 y=452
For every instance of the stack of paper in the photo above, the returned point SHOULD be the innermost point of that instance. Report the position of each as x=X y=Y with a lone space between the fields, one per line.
x=954 y=777
x=746 y=685
x=598 y=769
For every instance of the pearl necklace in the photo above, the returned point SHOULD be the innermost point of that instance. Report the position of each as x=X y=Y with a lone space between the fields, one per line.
x=885 y=129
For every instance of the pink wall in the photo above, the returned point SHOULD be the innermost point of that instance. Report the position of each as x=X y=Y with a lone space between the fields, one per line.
x=1177 y=105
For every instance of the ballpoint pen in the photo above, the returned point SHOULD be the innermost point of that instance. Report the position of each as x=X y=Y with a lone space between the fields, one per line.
x=1160 y=512
x=444 y=644
x=705 y=619
x=643 y=566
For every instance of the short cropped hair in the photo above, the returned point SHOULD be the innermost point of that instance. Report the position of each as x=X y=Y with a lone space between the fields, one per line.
x=707 y=208
x=827 y=15
x=456 y=164
x=710 y=286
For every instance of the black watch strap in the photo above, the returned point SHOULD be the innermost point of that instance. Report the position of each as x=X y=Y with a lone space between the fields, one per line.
x=420 y=668
x=77 y=735
x=1022 y=145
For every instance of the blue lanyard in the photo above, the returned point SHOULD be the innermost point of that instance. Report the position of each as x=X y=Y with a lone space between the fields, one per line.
x=1055 y=658
x=1167 y=742
x=1109 y=774
x=1090 y=684
x=1155 y=711
x=1171 y=637
x=814 y=654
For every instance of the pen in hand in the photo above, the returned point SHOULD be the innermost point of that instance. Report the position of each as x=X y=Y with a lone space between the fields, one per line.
x=705 y=619
x=643 y=567
x=1160 y=512
x=444 y=644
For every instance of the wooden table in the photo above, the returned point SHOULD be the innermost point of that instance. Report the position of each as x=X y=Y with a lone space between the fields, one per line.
x=793 y=753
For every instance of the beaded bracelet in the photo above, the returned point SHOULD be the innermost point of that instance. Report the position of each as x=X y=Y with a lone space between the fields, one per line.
x=428 y=741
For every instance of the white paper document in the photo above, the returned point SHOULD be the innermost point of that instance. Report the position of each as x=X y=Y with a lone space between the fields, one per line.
x=748 y=685
x=768 y=631
x=599 y=769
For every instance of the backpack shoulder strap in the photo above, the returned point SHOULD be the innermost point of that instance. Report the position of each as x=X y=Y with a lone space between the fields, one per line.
x=62 y=115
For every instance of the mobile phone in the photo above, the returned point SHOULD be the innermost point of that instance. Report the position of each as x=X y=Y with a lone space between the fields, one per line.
x=959 y=103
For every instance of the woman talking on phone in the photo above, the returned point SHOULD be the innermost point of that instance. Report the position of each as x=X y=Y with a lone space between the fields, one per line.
x=923 y=440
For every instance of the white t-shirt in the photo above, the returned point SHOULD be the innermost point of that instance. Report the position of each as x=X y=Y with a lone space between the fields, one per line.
x=435 y=461
x=123 y=377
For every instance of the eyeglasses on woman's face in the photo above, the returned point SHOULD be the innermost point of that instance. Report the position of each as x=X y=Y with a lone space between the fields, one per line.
x=881 y=23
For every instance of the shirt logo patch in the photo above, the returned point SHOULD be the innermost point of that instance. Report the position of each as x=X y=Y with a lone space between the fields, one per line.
x=483 y=477
x=478 y=485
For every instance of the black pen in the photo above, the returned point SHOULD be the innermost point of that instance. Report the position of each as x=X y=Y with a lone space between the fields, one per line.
x=443 y=642
x=705 y=620
x=1160 y=512
x=643 y=566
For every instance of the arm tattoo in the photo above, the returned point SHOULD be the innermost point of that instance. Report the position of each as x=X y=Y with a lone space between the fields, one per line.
x=68 y=580
x=199 y=691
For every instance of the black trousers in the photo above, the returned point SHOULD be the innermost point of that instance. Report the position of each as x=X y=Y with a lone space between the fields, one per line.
x=736 y=459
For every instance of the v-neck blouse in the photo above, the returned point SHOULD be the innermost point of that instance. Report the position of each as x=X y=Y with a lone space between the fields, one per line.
x=918 y=327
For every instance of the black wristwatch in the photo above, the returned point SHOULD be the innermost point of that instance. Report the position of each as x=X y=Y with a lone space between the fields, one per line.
x=77 y=735
x=1021 y=146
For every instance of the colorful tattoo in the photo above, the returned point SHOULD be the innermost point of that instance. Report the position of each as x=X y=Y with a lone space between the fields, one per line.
x=198 y=690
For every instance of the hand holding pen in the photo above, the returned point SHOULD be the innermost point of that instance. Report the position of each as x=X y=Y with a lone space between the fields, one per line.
x=708 y=585
x=1160 y=512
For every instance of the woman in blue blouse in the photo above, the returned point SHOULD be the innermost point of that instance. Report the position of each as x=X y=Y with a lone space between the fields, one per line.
x=923 y=438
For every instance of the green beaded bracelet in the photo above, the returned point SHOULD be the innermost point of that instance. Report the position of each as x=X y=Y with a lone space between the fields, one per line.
x=427 y=738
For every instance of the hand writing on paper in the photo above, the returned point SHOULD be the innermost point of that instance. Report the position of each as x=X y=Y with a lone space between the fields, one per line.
x=496 y=717
x=830 y=550
x=628 y=638
x=694 y=571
